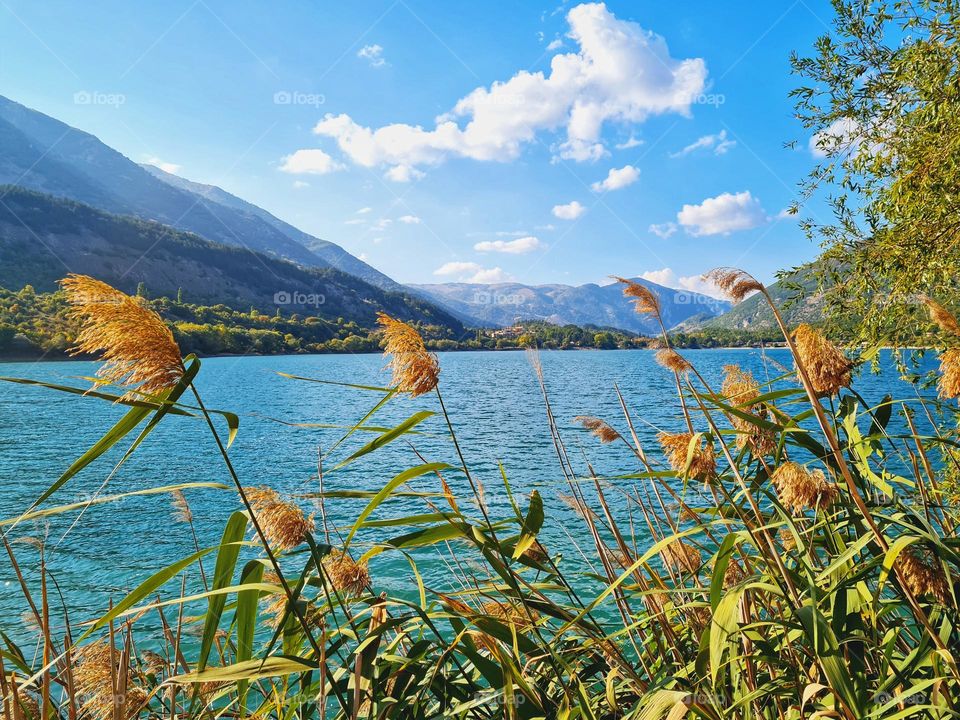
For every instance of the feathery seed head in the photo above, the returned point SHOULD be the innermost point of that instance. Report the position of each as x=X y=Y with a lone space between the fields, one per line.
x=672 y=360
x=645 y=301
x=183 y=512
x=944 y=319
x=949 y=383
x=681 y=556
x=283 y=523
x=137 y=348
x=346 y=575
x=415 y=370
x=826 y=365
x=735 y=283
x=507 y=613
x=740 y=390
x=703 y=462
x=93 y=678
x=800 y=489
x=601 y=430
x=922 y=574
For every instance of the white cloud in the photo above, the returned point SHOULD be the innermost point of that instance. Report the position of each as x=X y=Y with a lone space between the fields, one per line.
x=620 y=73
x=723 y=214
x=409 y=220
x=570 y=211
x=691 y=283
x=457 y=267
x=617 y=178
x=718 y=143
x=300 y=184
x=167 y=167
x=490 y=275
x=631 y=142
x=312 y=161
x=663 y=230
x=840 y=135
x=555 y=44
x=373 y=54
x=520 y=246
x=382 y=224
x=364 y=210
x=403 y=173
x=471 y=272
x=355 y=221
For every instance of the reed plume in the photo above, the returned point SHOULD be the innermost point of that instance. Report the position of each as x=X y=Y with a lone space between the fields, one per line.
x=703 y=462
x=415 y=370
x=284 y=525
x=826 y=365
x=735 y=283
x=681 y=556
x=645 y=301
x=672 y=360
x=346 y=575
x=949 y=383
x=922 y=574
x=598 y=428
x=183 y=512
x=944 y=319
x=741 y=390
x=800 y=489
x=137 y=348
x=508 y=613
x=94 y=678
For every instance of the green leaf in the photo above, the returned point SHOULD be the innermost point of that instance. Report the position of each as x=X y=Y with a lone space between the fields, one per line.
x=222 y=577
x=387 y=437
x=531 y=525
x=384 y=493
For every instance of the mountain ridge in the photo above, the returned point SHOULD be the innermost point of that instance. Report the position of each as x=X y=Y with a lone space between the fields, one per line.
x=503 y=304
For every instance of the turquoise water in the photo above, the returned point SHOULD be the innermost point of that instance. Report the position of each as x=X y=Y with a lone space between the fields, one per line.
x=493 y=398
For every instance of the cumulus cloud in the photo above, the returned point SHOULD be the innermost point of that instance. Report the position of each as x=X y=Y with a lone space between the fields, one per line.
x=471 y=272
x=409 y=220
x=312 y=161
x=691 y=283
x=364 y=210
x=723 y=214
x=718 y=143
x=570 y=211
x=617 y=178
x=630 y=142
x=519 y=246
x=372 y=54
x=619 y=73
x=663 y=230
x=555 y=44
x=403 y=173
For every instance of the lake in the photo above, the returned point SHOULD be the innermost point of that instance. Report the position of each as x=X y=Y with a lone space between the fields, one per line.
x=493 y=399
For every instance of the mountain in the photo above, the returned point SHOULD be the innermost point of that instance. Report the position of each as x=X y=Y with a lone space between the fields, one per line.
x=330 y=253
x=41 y=153
x=601 y=305
x=754 y=313
x=42 y=238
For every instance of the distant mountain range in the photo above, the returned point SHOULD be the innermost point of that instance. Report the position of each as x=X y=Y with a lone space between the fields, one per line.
x=42 y=238
x=41 y=153
x=220 y=248
x=601 y=305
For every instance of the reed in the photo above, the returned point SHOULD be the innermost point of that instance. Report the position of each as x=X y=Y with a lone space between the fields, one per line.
x=809 y=572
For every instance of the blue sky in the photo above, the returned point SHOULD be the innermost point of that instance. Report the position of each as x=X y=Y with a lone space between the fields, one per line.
x=455 y=141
